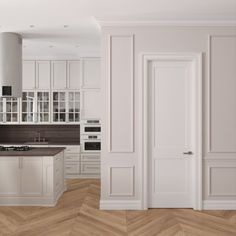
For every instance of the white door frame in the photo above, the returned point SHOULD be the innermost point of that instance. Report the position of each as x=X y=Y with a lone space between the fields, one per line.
x=196 y=59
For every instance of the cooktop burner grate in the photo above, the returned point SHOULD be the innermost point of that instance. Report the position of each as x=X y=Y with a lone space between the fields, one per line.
x=15 y=148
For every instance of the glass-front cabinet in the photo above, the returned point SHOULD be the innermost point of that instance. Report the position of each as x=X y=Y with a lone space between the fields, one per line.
x=28 y=107
x=41 y=107
x=1 y=110
x=35 y=107
x=59 y=107
x=66 y=106
x=43 y=104
x=9 y=110
x=74 y=106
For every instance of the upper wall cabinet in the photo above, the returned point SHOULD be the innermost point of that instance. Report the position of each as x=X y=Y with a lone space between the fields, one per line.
x=73 y=74
x=91 y=73
x=28 y=75
x=59 y=74
x=43 y=75
x=91 y=104
x=36 y=75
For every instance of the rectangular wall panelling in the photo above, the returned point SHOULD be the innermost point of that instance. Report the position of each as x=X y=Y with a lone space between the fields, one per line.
x=116 y=173
x=221 y=137
x=121 y=93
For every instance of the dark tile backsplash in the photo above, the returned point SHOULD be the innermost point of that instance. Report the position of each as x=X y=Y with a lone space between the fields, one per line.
x=52 y=133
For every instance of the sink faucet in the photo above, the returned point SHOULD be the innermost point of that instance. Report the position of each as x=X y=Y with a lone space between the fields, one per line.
x=38 y=138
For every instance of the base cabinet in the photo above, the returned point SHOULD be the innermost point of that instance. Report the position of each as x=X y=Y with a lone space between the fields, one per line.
x=31 y=176
x=32 y=181
x=80 y=165
x=10 y=176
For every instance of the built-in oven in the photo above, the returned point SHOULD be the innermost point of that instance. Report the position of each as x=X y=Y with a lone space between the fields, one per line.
x=90 y=143
x=90 y=127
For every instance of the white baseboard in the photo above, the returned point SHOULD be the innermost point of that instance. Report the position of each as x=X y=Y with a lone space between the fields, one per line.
x=219 y=205
x=120 y=205
x=49 y=201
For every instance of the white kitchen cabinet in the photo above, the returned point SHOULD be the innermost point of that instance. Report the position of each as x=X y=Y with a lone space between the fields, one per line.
x=65 y=106
x=28 y=75
x=43 y=107
x=33 y=180
x=10 y=176
x=91 y=73
x=43 y=75
x=9 y=110
x=73 y=75
x=91 y=104
x=35 y=107
x=28 y=107
x=31 y=176
x=72 y=163
x=90 y=168
x=36 y=75
x=59 y=74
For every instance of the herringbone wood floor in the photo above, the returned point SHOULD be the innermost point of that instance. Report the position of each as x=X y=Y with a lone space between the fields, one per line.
x=77 y=214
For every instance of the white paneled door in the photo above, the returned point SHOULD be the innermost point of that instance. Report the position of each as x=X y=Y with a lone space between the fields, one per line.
x=171 y=134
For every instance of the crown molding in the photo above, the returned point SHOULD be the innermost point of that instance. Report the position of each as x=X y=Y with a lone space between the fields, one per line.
x=167 y=23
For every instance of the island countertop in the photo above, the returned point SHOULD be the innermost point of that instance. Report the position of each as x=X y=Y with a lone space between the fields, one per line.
x=39 y=151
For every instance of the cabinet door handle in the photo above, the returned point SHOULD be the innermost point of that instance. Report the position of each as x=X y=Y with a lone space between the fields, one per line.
x=188 y=153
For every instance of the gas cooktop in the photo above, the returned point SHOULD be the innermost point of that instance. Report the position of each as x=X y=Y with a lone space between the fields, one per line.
x=15 y=148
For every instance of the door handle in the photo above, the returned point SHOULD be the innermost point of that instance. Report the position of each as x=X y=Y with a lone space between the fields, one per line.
x=188 y=153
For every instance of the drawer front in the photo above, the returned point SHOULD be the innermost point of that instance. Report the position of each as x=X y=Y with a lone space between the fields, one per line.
x=90 y=168
x=72 y=168
x=90 y=157
x=72 y=157
x=73 y=149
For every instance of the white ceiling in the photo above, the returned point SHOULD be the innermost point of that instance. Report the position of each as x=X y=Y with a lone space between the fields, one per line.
x=68 y=27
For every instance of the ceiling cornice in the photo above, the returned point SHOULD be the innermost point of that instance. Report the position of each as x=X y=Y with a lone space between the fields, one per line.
x=167 y=23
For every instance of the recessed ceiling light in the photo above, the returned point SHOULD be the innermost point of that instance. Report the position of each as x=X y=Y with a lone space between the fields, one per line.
x=31 y=26
x=65 y=26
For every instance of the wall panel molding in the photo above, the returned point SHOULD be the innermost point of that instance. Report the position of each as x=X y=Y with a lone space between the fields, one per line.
x=122 y=181
x=121 y=76
x=210 y=148
x=220 y=175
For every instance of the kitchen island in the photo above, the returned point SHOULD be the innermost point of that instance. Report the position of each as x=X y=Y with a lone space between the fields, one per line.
x=32 y=178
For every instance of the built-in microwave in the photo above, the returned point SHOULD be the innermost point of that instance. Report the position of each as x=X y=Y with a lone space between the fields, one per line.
x=90 y=127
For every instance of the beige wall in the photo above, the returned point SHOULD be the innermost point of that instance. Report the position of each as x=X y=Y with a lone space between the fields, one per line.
x=122 y=104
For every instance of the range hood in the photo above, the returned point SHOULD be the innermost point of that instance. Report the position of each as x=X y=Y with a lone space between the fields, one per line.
x=10 y=65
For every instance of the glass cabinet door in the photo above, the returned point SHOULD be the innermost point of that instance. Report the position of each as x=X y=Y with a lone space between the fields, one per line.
x=1 y=110
x=27 y=114
x=43 y=107
x=59 y=107
x=74 y=106
x=12 y=110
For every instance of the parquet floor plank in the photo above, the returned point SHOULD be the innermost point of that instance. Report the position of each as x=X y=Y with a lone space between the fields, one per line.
x=77 y=214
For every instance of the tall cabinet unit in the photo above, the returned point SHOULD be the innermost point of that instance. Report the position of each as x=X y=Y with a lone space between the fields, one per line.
x=90 y=89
